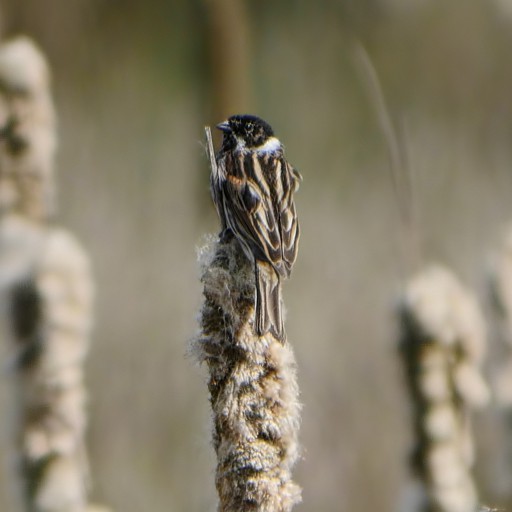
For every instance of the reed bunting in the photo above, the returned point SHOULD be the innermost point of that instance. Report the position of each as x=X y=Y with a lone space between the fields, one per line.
x=252 y=187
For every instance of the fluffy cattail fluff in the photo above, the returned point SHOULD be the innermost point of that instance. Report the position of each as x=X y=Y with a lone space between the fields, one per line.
x=45 y=294
x=253 y=389
x=443 y=345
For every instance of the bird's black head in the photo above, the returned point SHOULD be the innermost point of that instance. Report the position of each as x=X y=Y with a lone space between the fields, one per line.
x=246 y=130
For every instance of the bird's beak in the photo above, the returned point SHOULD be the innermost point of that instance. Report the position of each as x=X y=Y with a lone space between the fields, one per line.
x=224 y=127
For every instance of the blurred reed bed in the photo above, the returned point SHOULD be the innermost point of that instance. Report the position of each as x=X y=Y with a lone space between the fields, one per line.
x=443 y=344
x=47 y=290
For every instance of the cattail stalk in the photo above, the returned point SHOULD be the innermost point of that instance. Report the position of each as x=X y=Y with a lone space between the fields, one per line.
x=443 y=345
x=252 y=383
x=46 y=286
x=253 y=389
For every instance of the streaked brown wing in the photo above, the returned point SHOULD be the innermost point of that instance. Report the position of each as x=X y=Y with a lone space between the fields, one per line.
x=248 y=202
x=288 y=222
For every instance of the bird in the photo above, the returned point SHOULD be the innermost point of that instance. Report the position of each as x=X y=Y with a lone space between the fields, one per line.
x=253 y=186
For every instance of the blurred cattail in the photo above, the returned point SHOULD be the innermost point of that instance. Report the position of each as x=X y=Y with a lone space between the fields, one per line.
x=253 y=389
x=46 y=291
x=28 y=135
x=50 y=314
x=443 y=345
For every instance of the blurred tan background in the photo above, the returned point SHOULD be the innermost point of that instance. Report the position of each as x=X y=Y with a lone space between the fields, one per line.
x=134 y=84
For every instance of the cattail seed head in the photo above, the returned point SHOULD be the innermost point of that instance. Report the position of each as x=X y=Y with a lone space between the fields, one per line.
x=253 y=389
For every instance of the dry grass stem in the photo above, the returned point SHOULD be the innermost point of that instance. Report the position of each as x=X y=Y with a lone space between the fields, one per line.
x=253 y=389
x=401 y=170
x=443 y=346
